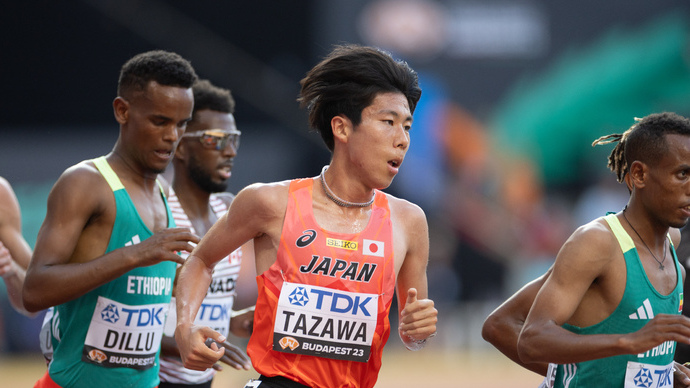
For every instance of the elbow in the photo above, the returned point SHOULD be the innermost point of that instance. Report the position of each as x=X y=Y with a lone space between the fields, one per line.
x=31 y=299
x=527 y=350
x=490 y=330
x=31 y=305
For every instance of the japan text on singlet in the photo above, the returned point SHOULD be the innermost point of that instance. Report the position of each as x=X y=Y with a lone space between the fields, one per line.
x=640 y=303
x=321 y=316
x=216 y=307
x=111 y=335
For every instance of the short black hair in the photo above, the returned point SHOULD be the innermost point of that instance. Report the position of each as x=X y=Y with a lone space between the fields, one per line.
x=644 y=141
x=209 y=96
x=164 y=67
x=348 y=80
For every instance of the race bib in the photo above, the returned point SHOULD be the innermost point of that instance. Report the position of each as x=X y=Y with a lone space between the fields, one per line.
x=640 y=375
x=324 y=322
x=550 y=377
x=46 y=334
x=213 y=312
x=216 y=309
x=124 y=336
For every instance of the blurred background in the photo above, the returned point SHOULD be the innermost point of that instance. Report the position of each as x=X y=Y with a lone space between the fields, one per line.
x=514 y=93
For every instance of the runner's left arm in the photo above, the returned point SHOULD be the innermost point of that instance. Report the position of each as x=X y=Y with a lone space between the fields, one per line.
x=417 y=314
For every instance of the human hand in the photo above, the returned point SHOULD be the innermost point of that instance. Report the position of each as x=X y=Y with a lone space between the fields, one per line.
x=195 y=354
x=164 y=245
x=234 y=356
x=242 y=322
x=418 y=318
x=680 y=375
x=7 y=265
x=662 y=328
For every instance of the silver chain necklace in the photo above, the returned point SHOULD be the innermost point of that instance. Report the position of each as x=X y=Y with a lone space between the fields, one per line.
x=661 y=263
x=338 y=201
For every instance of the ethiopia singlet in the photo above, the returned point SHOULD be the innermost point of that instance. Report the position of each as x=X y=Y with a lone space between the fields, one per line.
x=640 y=303
x=216 y=308
x=111 y=335
x=321 y=315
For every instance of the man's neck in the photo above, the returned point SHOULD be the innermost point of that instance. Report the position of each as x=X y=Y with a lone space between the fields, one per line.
x=194 y=200
x=126 y=170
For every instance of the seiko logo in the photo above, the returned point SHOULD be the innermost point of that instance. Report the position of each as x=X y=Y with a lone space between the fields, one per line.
x=344 y=244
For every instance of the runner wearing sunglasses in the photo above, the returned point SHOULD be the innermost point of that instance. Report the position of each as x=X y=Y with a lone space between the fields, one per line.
x=198 y=198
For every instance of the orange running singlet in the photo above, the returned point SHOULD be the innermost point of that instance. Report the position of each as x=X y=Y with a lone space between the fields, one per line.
x=321 y=316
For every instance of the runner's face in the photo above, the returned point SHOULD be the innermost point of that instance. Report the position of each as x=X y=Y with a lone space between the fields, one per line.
x=156 y=120
x=211 y=168
x=379 y=143
x=669 y=182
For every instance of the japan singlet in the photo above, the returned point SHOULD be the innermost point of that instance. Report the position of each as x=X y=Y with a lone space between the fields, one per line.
x=216 y=308
x=640 y=303
x=111 y=335
x=321 y=316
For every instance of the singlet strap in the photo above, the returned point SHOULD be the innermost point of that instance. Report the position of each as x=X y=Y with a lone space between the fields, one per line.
x=624 y=239
x=297 y=184
x=622 y=236
x=108 y=173
x=112 y=178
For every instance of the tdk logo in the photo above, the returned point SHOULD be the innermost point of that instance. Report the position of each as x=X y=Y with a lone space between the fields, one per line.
x=151 y=316
x=214 y=312
x=341 y=303
x=299 y=297
x=110 y=314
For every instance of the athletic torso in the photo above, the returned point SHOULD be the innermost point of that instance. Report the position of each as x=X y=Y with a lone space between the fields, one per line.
x=640 y=303
x=113 y=332
x=321 y=317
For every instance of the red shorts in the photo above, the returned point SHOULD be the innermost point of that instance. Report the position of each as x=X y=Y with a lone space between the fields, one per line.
x=46 y=382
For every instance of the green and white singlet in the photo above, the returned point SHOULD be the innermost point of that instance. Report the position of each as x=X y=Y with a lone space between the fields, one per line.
x=640 y=303
x=111 y=335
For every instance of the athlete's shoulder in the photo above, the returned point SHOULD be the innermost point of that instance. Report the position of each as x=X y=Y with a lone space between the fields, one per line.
x=597 y=228
x=9 y=205
x=5 y=187
x=595 y=236
x=6 y=192
x=263 y=197
x=404 y=207
x=81 y=175
x=266 y=190
x=79 y=192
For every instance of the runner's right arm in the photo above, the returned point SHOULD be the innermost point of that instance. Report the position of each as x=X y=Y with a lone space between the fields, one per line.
x=69 y=258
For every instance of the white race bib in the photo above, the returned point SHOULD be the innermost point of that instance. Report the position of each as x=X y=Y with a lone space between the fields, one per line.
x=325 y=322
x=640 y=375
x=550 y=377
x=121 y=335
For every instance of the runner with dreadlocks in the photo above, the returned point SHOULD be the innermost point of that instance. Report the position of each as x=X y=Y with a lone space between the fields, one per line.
x=607 y=313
